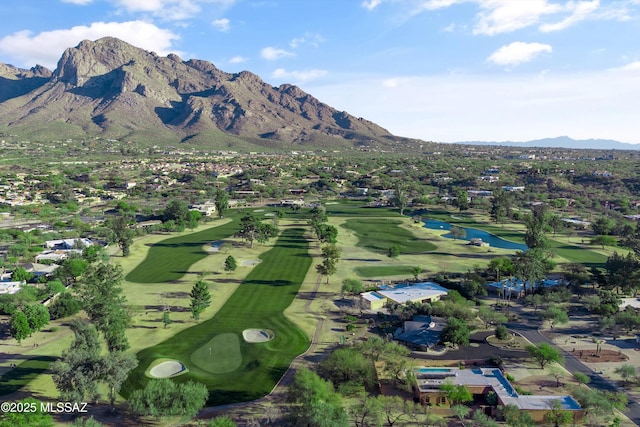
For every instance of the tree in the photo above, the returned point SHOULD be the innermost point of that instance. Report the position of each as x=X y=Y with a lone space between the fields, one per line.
x=352 y=287
x=348 y=367
x=71 y=268
x=557 y=415
x=555 y=315
x=604 y=241
x=416 y=271
x=115 y=370
x=20 y=274
x=177 y=211
x=123 y=234
x=200 y=298
x=400 y=198
x=252 y=229
x=37 y=316
x=626 y=372
x=501 y=266
x=314 y=403
x=455 y=332
x=461 y=412
x=64 y=305
x=581 y=377
x=55 y=287
x=530 y=267
x=166 y=318
x=456 y=393
x=558 y=373
x=458 y=232
x=543 y=354
x=330 y=256
x=537 y=224
x=77 y=374
x=221 y=202
x=19 y=326
x=500 y=206
x=489 y=316
x=461 y=200
x=393 y=252
x=100 y=290
x=230 y=264
x=163 y=397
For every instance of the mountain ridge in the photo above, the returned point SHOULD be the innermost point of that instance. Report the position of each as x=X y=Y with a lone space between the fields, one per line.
x=111 y=89
x=561 y=142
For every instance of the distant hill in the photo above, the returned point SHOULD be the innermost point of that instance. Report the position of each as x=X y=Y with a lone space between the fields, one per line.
x=564 y=142
x=113 y=90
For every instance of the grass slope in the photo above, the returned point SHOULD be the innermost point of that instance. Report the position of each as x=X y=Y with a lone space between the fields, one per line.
x=378 y=234
x=26 y=372
x=258 y=302
x=170 y=259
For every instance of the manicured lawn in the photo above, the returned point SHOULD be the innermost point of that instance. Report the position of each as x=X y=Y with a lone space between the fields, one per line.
x=384 y=270
x=378 y=235
x=357 y=208
x=220 y=355
x=258 y=302
x=170 y=259
x=22 y=375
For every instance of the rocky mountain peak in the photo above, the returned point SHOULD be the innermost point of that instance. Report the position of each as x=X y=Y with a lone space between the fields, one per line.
x=110 y=88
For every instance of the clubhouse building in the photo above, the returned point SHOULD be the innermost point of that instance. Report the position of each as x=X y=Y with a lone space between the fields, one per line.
x=401 y=294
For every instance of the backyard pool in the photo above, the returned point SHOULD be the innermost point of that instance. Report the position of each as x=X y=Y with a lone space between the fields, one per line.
x=474 y=233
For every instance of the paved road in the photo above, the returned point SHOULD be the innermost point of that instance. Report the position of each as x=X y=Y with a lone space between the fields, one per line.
x=528 y=328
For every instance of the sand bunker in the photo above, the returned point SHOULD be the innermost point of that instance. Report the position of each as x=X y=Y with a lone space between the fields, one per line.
x=257 y=335
x=167 y=369
x=250 y=262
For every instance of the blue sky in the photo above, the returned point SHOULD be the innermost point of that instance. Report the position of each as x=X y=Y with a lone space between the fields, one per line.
x=438 y=70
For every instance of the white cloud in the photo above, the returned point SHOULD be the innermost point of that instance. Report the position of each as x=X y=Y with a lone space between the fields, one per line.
x=633 y=66
x=238 y=60
x=272 y=54
x=312 y=39
x=298 y=76
x=371 y=4
x=517 y=53
x=504 y=16
x=581 y=11
x=45 y=48
x=171 y=10
x=222 y=24
x=465 y=107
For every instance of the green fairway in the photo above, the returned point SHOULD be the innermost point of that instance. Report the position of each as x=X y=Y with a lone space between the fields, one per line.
x=170 y=259
x=24 y=373
x=378 y=235
x=258 y=302
x=357 y=208
x=384 y=270
x=220 y=355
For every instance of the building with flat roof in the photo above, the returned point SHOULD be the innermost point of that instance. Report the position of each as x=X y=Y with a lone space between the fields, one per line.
x=403 y=293
x=481 y=381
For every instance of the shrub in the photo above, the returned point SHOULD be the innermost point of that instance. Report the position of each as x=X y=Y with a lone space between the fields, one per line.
x=502 y=333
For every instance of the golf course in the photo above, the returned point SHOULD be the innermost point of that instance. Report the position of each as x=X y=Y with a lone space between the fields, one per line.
x=214 y=351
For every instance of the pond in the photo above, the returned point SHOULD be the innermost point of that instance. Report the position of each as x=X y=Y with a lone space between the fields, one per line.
x=474 y=233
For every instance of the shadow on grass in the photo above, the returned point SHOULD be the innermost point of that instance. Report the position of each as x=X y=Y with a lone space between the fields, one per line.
x=24 y=373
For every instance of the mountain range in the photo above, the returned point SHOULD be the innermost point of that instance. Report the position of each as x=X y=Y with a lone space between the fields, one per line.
x=110 y=89
x=563 y=142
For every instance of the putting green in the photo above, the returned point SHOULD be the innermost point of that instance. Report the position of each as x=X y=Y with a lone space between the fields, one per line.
x=220 y=355
x=258 y=303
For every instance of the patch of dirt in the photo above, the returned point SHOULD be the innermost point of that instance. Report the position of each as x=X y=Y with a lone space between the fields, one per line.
x=590 y=356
